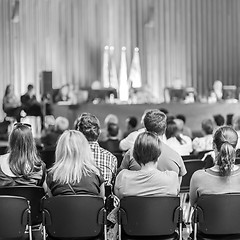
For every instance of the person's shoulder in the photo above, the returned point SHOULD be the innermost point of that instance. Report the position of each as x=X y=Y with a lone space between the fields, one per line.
x=170 y=151
x=106 y=153
x=199 y=174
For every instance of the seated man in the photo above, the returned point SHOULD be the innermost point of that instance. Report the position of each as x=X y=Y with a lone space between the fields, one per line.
x=155 y=121
x=30 y=104
x=89 y=125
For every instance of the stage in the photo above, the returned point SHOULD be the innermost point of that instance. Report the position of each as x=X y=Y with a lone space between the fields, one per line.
x=194 y=112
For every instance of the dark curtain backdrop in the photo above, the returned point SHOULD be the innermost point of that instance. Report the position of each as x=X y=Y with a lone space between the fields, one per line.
x=196 y=41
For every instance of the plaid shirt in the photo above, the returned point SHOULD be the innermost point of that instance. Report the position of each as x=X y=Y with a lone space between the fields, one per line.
x=105 y=160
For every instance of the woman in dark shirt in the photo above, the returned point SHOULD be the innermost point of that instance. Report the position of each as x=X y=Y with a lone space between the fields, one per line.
x=74 y=170
x=22 y=166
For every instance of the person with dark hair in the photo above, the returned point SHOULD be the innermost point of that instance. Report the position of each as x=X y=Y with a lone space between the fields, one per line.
x=22 y=166
x=224 y=176
x=180 y=143
x=204 y=143
x=219 y=120
x=155 y=121
x=11 y=105
x=89 y=125
x=112 y=143
x=148 y=180
x=30 y=104
x=131 y=123
x=185 y=130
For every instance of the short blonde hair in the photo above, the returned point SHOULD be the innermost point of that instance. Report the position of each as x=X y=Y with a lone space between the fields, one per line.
x=74 y=158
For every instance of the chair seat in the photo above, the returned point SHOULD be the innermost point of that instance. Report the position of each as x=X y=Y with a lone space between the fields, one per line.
x=202 y=236
x=171 y=237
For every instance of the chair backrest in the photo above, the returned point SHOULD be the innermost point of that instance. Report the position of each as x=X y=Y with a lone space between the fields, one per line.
x=14 y=214
x=33 y=194
x=149 y=216
x=48 y=157
x=73 y=216
x=219 y=214
x=191 y=166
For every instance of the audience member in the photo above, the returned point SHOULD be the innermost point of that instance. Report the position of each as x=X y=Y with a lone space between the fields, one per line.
x=204 y=143
x=185 y=130
x=219 y=120
x=148 y=181
x=155 y=121
x=74 y=170
x=128 y=142
x=131 y=123
x=177 y=141
x=110 y=118
x=22 y=166
x=30 y=104
x=236 y=127
x=112 y=143
x=11 y=105
x=89 y=125
x=224 y=176
x=49 y=140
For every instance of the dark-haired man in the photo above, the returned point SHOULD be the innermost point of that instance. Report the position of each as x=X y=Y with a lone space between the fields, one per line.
x=89 y=125
x=155 y=121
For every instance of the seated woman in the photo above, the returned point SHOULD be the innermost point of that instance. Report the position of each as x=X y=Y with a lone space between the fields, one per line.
x=11 y=105
x=74 y=170
x=180 y=143
x=204 y=143
x=148 y=181
x=22 y=166
x=224 y=176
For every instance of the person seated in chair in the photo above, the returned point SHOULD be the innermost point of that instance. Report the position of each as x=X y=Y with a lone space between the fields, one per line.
x=148 y=181
x=74 y=170
x=224 y=176
x=11 y=105
x=22 y=166
x=30 y=104
x=112 y=143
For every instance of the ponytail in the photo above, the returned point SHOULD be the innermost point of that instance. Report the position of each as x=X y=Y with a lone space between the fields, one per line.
x=226 y=158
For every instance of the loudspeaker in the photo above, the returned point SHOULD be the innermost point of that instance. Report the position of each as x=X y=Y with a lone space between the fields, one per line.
x=46 y=83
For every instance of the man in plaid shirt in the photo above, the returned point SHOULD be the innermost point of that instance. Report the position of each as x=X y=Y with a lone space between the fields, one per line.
x=89 y=125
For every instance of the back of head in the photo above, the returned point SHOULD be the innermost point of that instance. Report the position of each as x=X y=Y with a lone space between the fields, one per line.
x=207 y=126
x=61 y=124
x=236 y=122
x=73 y=158
x=30 y=87
x=172 y=129
x=89 y=125
x=23 y=154
x=225 y=141
x=155 y=121
x=132 y=122
x=147 y=148
x=219 y=120
x=182 y=117
x=110 y=118
x=113 y=130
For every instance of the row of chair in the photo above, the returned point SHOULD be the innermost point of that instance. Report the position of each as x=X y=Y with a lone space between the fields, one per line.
x=81 y=216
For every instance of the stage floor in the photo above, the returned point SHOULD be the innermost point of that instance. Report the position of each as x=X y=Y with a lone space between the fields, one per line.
x=194 y=112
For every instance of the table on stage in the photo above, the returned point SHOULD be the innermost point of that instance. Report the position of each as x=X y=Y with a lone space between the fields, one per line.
x=194 y=112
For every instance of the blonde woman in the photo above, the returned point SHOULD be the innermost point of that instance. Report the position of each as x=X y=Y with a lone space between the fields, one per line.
x=74 y=170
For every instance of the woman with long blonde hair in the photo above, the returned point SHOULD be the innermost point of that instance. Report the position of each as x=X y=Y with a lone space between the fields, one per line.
x=74 y=170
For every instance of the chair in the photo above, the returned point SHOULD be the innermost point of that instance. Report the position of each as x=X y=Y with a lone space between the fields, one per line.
x=217 y=216
x=191 y=166
x=33 y=194
x=15 y=216
x=74 y=216
x=48 y=157
x=150 y=217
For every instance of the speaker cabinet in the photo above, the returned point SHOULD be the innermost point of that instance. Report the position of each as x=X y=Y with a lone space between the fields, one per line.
x=46 y=83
